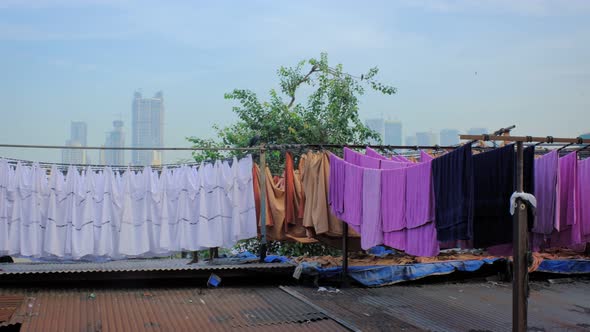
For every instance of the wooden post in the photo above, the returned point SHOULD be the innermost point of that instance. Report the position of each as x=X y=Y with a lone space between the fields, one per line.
x=344 y=282
x=262 y=203
x=519 y=255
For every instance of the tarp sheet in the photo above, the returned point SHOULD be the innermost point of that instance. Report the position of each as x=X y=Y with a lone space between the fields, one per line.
x=383 y=275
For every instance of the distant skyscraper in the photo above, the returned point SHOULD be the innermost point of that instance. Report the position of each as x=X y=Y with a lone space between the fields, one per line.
x=410 y=140
x=477 y=131
x=79 y=132
x=449 y=137
x=147 y=128
x=426 y=139
x=78 y=138
x=377 y=125
x=73 y=156
x=393 y=133
x=115 y=138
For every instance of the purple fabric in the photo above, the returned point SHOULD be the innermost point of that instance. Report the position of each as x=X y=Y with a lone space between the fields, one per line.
x=421 y=241
x=566 y=185
x=390 y=164
x=372 y=153
x=569 y=231
x=400 y=158
x=361 y=160
x=545 y=192
x=584 y=196
x=337 y=185
x=396 y=240
x=419 y=195
x=425 y=156
x=353 y=194
x=393 y=192
x=371 y=228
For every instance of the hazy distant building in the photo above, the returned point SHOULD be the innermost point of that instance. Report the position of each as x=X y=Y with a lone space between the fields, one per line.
x=378 y=126
x=585 y=136
x=147 y=128
x=115 y=138
x=449 y=137
x=392 y=133
x=410 y=140
x=426 y=138
x=78 y=138
x=79 y=132
x=73 y=156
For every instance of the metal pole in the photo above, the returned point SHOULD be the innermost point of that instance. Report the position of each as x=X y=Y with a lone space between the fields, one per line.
x=520 y=241
x=262 y=203
x=344 y=255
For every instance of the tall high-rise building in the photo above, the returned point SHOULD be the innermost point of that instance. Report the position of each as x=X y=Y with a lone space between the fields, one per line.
x=73 y=156
x=393 y=133
x=78 y=138
x=115 y=138
x=79 y=132
x=449 y=137
x=147 y=128
x=378 y=126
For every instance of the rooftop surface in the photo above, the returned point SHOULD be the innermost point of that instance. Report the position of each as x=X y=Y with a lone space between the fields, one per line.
x=466 y=306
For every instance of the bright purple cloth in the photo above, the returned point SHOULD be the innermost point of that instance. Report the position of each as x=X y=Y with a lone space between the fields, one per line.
x=584 y=196
x=361 y=160
x=396 y=240
x=545 y=192
x=400 y=158
x=425 y=156
x=568 y=231
x=372 y=153
x=336 y=185
x=393 y=193
x=419 y=195
x=566 y=185
x=390 y=164
x=421 y=241
x=371 y=227
x=353 y=194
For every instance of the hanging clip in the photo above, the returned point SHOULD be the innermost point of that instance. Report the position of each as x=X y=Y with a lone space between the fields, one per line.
x=529 y=139
x=550 y=139
x=486 y=137
x=580 y=140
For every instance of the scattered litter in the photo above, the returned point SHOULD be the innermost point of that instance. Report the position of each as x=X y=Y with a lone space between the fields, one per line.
x=561 y=281
x=202 y=301
x=190 y=301
x=297 y=272
x=452 y=297
x=329 y=290
x=214 y=280
x=92 y=296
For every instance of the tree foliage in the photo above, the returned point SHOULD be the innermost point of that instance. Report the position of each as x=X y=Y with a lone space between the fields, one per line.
x=315 y=104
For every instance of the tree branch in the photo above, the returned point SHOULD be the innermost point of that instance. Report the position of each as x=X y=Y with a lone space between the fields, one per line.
x=304 y=79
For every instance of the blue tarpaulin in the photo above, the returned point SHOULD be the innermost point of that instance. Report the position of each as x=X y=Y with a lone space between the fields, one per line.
x=565 y=266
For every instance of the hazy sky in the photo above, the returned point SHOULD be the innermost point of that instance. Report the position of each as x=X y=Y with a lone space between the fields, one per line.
x=456 y=64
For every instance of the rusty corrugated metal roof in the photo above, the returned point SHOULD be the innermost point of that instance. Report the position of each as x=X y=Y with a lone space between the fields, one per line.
x=8 y=305
x=131 y=265
x=169 y=309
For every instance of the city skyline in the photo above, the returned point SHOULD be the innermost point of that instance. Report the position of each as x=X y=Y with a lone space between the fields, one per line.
x=62 y=62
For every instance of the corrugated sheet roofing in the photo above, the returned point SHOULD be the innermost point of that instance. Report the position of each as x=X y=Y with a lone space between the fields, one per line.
x=131 y=265
x=169 y=309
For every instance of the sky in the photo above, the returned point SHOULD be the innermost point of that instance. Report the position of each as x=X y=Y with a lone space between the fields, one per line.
x=456 y=63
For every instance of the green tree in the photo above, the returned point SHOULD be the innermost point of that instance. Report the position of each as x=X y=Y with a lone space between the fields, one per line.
x=316 y=104
x=328 y=115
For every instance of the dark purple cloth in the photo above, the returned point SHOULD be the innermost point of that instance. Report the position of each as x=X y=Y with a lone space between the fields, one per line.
x=337 y=185
x=546 y=192
x=425 y=157
x=419 y=195
x=452 y=177
x=393 y=193
x=421 y=241
x=361 y=160
x=584 y=196
x=353 y=195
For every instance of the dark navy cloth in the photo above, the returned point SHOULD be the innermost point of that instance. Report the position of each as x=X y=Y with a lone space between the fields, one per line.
x=452 y=177
x=529 y=180
x=494 y=179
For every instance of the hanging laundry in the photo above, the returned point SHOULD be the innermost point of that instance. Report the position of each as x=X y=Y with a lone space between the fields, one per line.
x=584 y=198
x=452 y=177
x=361 y=160
x=494 y=183
x=371 y=228
x=374 y=154
x=424 y=157
x=546 y=192
x=568 y=230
